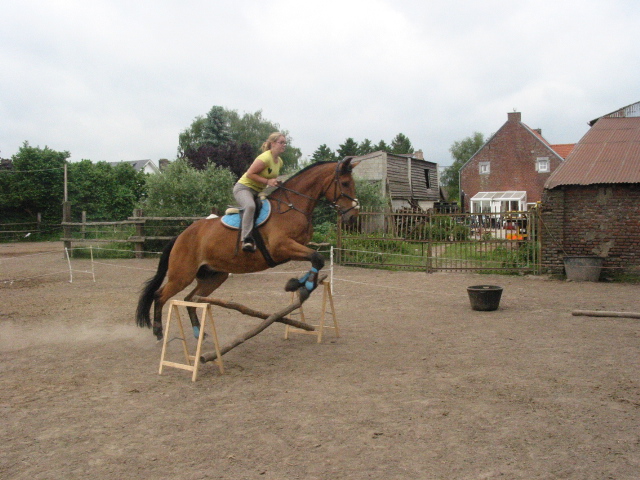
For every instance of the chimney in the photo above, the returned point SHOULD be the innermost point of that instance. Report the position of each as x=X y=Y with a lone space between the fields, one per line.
x=419 y=155
x=514 y=117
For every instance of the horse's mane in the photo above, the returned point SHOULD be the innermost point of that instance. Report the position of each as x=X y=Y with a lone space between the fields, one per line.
x=317 y=164
x=308 y=167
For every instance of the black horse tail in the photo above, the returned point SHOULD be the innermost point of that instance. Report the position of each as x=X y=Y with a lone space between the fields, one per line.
x=151 y=286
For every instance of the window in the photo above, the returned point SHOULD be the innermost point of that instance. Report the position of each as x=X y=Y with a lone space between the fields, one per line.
x=542 y=164
x=427 y=178
x=484 y=168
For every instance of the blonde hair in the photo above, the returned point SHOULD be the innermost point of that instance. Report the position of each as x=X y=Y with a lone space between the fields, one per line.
x=273 y=138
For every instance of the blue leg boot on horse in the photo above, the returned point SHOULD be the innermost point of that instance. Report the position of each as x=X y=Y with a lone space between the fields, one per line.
x=309 y=281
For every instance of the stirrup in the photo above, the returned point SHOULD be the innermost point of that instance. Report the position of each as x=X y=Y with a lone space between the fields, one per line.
x=248 y=245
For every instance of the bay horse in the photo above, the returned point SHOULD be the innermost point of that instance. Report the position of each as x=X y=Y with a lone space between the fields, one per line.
x=208 y=251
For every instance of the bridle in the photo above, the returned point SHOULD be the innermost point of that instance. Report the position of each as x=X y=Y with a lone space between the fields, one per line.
x=337 y=187
x=338 y=194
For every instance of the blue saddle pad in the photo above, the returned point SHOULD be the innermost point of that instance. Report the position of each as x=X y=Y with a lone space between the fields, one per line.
x=233 y=220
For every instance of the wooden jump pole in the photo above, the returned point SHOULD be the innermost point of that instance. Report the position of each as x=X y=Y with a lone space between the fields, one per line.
x=279 y=316
x=604 y=313
x=251 y=312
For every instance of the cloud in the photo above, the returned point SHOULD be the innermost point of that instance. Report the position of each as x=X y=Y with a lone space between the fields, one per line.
x=112 y=80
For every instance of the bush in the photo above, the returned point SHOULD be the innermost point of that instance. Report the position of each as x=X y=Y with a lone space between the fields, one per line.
x=183 y=191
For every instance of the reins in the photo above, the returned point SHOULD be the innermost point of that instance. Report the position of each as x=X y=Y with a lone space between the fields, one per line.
x=334 y=203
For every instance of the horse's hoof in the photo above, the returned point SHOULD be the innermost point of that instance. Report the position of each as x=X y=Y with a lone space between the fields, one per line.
x=292 y=285
x=304 y=294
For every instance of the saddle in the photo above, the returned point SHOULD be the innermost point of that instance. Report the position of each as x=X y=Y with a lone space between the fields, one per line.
x=232 y=217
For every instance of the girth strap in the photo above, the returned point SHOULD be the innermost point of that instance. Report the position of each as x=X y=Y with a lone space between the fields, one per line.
x=257 y=236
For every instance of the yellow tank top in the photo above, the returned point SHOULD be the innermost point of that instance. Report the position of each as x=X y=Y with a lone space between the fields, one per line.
x=271 y=170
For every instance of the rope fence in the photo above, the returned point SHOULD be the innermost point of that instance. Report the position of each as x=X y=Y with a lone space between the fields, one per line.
x=71 y=266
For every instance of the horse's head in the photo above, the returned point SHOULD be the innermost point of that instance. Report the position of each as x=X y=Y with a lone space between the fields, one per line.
x=342 y=191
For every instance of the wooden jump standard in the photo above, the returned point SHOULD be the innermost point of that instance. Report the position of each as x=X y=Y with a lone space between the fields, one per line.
x=279 y=316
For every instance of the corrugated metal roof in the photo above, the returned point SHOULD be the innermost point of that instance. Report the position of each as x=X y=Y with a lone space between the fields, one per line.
x=632 y=110
x=608 y=153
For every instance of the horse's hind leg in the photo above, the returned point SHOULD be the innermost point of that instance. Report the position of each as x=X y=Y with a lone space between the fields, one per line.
x=208 y=281
x=162 y=296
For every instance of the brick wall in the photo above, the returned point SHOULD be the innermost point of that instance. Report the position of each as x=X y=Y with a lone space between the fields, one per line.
x=602 y=220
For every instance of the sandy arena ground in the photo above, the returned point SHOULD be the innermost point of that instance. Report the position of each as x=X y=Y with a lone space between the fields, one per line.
x=418 y=386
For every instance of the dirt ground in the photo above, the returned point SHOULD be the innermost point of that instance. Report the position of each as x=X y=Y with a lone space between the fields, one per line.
x=418 y=386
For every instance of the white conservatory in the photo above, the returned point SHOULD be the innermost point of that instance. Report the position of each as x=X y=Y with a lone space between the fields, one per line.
x=499 y=202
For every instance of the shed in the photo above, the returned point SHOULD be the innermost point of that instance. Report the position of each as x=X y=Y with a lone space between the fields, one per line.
x=406 y=180
x=591 y=203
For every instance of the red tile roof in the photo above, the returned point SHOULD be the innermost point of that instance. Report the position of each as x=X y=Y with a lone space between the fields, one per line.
x=563 y=149
x=608 y=153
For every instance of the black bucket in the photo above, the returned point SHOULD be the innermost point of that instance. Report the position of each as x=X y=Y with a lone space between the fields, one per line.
x=484 y=297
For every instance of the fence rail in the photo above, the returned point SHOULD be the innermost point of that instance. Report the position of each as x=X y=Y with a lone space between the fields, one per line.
x=498 y=242
x=20 y=229
x=137 y=230
x=426 y=241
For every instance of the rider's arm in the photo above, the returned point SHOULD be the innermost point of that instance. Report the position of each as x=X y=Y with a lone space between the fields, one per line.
x=253 y=173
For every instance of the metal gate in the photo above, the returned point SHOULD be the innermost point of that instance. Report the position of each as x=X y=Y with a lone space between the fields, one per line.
x=507 y=242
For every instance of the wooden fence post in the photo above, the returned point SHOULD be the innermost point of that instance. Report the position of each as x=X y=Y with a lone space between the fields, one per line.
x=66 y=218
x=139 y=245
x=339 y=240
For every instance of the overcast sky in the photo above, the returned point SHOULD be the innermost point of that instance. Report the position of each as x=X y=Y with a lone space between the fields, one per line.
x=119 y=80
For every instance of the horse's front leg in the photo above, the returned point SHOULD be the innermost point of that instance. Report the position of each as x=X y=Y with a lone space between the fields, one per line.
x=309 y=281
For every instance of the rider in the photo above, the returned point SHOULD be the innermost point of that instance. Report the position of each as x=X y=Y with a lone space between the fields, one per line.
x=262 y=173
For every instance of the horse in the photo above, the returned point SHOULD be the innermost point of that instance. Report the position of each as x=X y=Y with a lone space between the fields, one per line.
x=208 y=251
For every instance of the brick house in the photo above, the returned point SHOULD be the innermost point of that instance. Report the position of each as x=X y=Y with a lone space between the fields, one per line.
x=405 y=180
x=509 y=171
x=591 y=204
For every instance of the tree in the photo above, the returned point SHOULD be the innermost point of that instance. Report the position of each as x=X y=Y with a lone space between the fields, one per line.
x=348 y=148
x=212 y=130
x=105 y=192
x=365 y=147
x=224 y=134
x=231 y=155
x=461 y=151
x=323 y=154
x=217 y=127
x=251 y=128
x=401 y=145
x=185 y=191
x=35 y=184
x=381 y=147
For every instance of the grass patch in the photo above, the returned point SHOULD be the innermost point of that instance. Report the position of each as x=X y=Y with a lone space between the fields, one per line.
x=484 y=257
